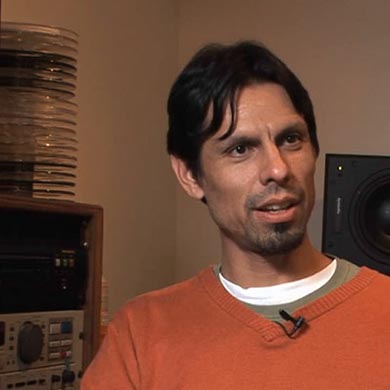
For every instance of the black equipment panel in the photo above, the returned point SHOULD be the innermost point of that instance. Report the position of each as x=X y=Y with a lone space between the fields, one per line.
x=356 y=223
x=43 y=262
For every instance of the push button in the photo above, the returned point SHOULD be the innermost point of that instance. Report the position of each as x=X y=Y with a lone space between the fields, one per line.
x=66 y=327
x=55 y=328
x=55 y=378
x=54 y=355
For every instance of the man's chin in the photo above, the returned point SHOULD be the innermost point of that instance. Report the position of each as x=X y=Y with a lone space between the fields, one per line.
x=281 y=240
x=281 y=228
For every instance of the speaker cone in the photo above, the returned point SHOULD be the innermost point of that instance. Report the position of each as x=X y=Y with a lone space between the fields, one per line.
x=370 y=215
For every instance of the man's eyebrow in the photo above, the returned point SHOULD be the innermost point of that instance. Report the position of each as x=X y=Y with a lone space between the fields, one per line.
x=237 y=140
x=296 y=126
x=298 y=123
x=299 y=129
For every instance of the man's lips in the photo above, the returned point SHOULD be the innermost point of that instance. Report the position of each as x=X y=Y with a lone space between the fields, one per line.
x=277 y=210
x=276 y=204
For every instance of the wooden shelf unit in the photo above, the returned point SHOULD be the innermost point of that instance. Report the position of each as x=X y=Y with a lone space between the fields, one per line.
x=92 y=236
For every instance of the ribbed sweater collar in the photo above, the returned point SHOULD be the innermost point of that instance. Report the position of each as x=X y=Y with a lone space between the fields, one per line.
x=267 y=328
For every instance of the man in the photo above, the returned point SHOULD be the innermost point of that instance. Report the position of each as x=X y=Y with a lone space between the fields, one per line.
x=275 y=313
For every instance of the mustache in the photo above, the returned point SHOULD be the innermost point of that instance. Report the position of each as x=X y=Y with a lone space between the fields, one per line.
x=273 y=189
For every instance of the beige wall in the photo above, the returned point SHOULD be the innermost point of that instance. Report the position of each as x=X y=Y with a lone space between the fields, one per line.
x=339 y=49
x=130 y=51
x=127 y=60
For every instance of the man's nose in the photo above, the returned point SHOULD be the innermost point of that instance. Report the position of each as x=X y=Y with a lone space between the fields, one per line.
x=273 y=166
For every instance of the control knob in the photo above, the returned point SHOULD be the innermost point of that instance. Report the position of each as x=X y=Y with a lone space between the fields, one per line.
x=68 y=376
x=30 y=342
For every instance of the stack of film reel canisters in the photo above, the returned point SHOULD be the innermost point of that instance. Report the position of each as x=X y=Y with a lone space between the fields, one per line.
x=38 y=140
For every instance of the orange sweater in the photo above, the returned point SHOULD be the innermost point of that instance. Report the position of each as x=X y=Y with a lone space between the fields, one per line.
x=196 y=336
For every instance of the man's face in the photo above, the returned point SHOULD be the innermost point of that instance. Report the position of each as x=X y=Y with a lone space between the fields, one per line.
x=259 y=182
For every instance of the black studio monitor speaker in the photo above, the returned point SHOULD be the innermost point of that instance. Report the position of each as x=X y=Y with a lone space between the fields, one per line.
x=356 y=223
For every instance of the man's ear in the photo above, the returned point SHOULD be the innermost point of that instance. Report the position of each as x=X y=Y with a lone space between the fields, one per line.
x=186 y=178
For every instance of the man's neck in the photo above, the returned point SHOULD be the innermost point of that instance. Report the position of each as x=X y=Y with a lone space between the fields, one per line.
x=249 y=269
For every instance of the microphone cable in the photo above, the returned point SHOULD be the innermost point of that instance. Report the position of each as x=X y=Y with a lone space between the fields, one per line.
x=298 y=323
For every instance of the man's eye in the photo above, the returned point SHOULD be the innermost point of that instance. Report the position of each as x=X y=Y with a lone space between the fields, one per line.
x=293 y=138
x=239 y=150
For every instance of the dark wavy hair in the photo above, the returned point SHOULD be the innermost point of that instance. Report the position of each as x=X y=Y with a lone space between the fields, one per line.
x=211 y=80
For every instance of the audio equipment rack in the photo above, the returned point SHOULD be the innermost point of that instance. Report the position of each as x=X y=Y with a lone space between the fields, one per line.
x=50 y=290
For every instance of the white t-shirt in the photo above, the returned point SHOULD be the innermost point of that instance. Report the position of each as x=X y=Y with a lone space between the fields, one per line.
x=282 y=293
